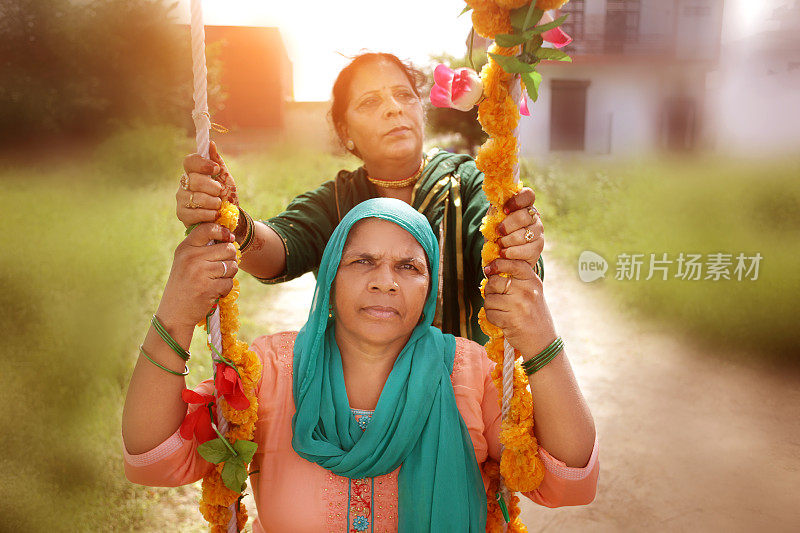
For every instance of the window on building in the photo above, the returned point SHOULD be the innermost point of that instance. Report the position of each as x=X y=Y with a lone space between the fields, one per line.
x=574 y=23
x=622 y=24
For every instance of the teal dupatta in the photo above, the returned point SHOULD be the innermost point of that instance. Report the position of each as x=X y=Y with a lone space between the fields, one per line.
x=416 y=424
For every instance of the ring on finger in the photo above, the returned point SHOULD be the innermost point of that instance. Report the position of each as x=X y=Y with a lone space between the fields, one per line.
x=529 y=236
x=224 y=269
x=191 y=203
x=532 y=211
x=508 y=284
x=185 y=182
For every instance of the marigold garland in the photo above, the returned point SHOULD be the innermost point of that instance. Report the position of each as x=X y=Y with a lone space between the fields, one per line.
x=547 y=5
x=216 y=497
x=489 y=19
x=520 y=465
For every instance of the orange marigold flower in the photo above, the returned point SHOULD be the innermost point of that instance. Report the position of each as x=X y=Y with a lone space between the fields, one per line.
x=489 y=224
x=489 y=20
x=214 y=490
x=487 y=327
x=498 y=118
x=511 y=4
x=520 y=473
x=215 y=514
x=547 y=5
x=495 y=81
x=490 y=252
x=495 y=346
x=496 y=158
x=244 y=431
x=228 y=215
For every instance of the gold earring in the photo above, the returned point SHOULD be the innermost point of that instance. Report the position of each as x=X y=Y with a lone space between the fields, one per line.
x=350 y=144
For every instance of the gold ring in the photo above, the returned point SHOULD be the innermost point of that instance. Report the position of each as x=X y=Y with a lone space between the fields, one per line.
x=529 y=236
x=508 y=284
x=533 y=212
x=190 y=204
x=185 y=182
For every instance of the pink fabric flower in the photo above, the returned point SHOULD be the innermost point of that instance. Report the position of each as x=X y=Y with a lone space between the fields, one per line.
x=229 y=385
x=460 y=88
x=198 y=423
x=557 y=37
x=523 y=103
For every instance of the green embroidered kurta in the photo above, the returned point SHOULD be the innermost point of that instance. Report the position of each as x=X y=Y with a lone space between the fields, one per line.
x=450 y=195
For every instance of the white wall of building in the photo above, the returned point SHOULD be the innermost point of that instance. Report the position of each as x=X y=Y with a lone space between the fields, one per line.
x=623 y=109
x=755 y=94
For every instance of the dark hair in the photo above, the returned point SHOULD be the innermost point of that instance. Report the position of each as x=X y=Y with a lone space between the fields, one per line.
x=341 y=87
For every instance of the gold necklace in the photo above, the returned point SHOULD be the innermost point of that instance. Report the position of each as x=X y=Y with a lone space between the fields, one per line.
x=399 y=184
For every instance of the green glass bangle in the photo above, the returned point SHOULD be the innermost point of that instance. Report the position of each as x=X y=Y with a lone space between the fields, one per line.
x=540 y=363
x=248 y=237
x=185 y=369
x=536 y=363
x=532 y=370
x=545 y=356
x=172 y=343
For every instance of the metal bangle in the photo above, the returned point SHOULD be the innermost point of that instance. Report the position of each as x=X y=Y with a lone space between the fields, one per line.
x=173 y=372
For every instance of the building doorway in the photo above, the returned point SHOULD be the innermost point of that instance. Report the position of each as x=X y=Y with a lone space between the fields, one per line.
x=679 y=124
x=568 y=115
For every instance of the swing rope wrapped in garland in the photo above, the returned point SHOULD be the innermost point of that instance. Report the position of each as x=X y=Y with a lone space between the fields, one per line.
x=234 y=407
x=512 y=59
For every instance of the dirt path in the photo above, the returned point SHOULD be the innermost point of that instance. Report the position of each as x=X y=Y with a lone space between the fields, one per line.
x=688 y=442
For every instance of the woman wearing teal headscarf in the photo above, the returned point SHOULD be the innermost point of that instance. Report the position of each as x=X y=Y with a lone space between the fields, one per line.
x=415 y=423
x=369 y=418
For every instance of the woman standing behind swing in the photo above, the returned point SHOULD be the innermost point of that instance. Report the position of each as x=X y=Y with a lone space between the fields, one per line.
x=378 y=116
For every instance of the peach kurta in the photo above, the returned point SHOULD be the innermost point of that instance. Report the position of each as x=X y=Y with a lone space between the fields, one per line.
x=293 y=494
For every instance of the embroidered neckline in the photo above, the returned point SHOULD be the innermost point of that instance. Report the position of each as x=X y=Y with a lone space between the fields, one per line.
x=362 y=417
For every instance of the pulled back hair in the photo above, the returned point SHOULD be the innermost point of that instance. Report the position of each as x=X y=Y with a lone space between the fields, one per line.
x=341 y=87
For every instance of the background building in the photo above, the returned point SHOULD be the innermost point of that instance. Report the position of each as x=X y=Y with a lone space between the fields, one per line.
x=256 y=76
x=754 y=109
x=637 y=82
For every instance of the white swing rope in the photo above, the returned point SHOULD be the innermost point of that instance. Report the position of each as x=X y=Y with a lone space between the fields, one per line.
x=509 y=354
x=202 y=124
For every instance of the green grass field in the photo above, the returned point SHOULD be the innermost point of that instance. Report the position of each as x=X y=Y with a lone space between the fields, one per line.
x=88 y=250
x=701 y=205
x=89 y=244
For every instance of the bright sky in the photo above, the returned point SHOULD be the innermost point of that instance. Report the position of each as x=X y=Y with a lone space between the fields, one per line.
x=316 y=32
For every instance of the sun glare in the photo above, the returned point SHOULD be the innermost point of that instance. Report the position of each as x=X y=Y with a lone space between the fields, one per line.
x=320 y=34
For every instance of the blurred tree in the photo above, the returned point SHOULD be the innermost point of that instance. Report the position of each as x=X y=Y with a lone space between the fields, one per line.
x=81 y=68
x=463 y=124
